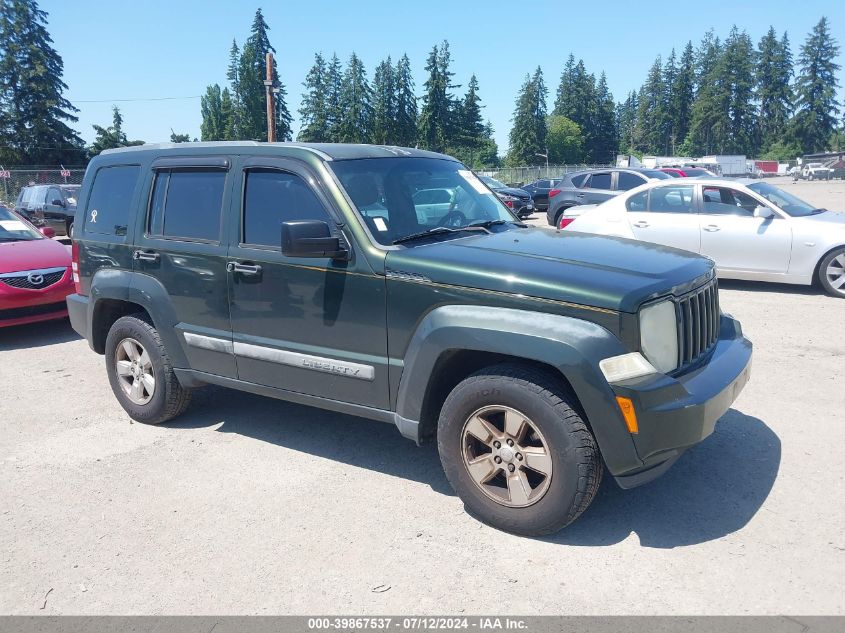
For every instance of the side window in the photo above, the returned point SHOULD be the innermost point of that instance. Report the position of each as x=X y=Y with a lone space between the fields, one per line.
x=599 y=181
x=542 y=184
x=579 y=180
x=638 y=202
x=108 y=203
x=671 y=199
x=187 y=204
x=272 y=197
x=725 y=201
x=54 y=194
x=627 y=180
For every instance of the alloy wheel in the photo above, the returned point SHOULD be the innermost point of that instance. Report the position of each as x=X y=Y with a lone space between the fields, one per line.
x=836 y=273
x=134 y=371
x=506 y=456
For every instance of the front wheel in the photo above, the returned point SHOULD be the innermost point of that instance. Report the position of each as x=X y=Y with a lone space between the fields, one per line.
x=516 y=452
x=832 y=273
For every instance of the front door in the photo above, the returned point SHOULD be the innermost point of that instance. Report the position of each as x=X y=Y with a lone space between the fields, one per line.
x=182 y=244
x=310 y=325
x=735 y=239
x=665 y=215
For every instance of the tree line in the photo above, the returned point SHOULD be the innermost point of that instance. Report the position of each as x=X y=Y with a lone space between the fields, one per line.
x=718 y=97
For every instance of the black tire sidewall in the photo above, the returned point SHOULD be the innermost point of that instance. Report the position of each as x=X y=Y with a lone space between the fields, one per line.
x=553 y=510
x=133 y=327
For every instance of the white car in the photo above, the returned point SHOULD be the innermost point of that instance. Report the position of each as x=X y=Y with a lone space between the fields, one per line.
x=751 y=229
x=817 y=171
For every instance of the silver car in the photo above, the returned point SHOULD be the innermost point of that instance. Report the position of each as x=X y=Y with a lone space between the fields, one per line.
x=751 y=229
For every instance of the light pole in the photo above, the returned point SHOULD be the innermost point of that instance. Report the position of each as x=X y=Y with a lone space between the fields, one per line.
x=546 y=156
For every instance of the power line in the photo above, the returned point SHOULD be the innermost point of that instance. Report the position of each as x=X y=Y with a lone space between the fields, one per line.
x=138 y=99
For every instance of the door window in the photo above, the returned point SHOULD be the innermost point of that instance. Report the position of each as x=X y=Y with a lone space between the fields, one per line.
x=272 y=197
x=579 y=180
x=187 y=205
x=54 y=194
x=627 y=180
x=638 y=202
x=111 y=195
x=671 y=199
x=599 y=181
x=726 y=201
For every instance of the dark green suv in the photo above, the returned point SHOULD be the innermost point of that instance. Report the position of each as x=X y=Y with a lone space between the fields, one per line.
x=321 y=275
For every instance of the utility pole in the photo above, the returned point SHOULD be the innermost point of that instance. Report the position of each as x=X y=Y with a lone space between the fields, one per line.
x=271 y=106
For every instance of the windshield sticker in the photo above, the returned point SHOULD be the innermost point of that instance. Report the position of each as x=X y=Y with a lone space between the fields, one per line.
x=12 y=225
x=473 y=180
x=381 y=225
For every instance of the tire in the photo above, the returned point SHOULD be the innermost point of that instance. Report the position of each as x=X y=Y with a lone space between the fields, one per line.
x=829 y=273
x=560 y=216
x=69 y=228
x=168 y=398
x=571 y=455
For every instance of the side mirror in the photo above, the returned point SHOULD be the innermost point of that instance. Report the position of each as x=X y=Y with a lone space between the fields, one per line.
x=763 y=212
x=311 y=238
x=47 y=231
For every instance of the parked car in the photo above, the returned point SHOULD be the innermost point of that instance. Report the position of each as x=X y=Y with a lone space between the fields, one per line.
x=698 y=172
x=539 y=190
x=535 y=358
x=750 y=228
x=816 y=171
x=49 y=205
x=517 y=199
x=673 y=172
x=594 y=186
x=35 y=275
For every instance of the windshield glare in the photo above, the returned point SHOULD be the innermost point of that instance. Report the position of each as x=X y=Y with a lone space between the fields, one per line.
x=793 y=205
x=12 y=229
x=398 y=197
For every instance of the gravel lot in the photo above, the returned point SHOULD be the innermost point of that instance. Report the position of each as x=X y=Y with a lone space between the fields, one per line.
x=253 y=506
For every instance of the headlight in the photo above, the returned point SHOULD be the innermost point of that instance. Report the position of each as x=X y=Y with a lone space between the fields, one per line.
x=659 y=335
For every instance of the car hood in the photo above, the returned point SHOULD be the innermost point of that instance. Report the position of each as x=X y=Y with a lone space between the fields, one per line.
x=516 y=193
x=829 y=219
x=33 y=255
x=603 y=272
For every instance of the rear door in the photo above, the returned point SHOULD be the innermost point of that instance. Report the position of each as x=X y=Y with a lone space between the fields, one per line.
x=183 y=244
x=735 y=239
x=55 y=215
x=597 y=188
x=665 y=215
x=315 y=326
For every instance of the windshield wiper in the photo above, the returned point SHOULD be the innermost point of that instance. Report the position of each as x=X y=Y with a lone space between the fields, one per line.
x=817 y=211
x=488 y=223
x=438 y=230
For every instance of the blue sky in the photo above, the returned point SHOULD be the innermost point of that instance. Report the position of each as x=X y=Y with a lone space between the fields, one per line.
x=155 y=48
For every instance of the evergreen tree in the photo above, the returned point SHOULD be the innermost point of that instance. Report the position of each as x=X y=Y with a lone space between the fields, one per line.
x=384 y=104
x=815 y=89
x=681 y=100
x=670 y=76
x=528 y=134
x=227 y=116
x=774 y=93
x=179 y=138
x=34 y=114
x=314 y=112
x=605 y=133
x=435 y=121
x=626 y=121
x=334 y=88
x=213 y=126
x=470 y=135
x=706 y=56
x=739 y=62
x=651 y=136
x=488 y=155
x=355 y=125
x=564 y=95
x=112 y=136
x=232 y=74
x=405 y=125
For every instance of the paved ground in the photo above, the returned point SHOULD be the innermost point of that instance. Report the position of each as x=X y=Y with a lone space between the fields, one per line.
x=249 y=505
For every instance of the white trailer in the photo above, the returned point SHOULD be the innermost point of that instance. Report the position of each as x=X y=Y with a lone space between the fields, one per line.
x=730 y=165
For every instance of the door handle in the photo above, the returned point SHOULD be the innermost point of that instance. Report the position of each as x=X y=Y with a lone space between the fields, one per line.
x=244 y=269
x=581 y=195
x=642 y=224
x=145 y=256
x=711 y=228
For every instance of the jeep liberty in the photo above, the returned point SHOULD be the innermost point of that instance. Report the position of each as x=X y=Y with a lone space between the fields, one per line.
x=319 y=274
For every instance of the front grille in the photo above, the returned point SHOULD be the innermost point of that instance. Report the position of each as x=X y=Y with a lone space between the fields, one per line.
x=29 y=281
x=698 y=322
x=30 y=311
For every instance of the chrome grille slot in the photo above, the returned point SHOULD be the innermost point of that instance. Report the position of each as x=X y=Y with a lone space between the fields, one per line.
x=698 y=322
x=34 y=279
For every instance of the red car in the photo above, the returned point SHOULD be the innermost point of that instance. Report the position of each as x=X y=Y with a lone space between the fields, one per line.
x=673 y=172
x=35 y=272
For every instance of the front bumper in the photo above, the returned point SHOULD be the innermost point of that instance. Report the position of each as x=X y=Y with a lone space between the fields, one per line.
x=677 y=412
x=524 y=208
x=19 y=306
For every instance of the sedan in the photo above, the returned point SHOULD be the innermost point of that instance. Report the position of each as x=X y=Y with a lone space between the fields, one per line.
x=517 y=199
x=751 y=229
x=35 y=272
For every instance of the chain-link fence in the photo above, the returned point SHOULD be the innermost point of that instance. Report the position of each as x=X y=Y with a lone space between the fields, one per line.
x=518 y=176
x=13 y=180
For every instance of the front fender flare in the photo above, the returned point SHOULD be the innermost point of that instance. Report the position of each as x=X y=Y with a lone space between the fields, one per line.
x=572 y=346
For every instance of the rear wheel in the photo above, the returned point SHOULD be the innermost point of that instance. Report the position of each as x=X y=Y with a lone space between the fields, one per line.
x=832 y=273
x=518 y=455
x=140 y=372
x=561 y=216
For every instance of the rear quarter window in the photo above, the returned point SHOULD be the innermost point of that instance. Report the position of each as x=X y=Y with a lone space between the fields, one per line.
x=110 y=199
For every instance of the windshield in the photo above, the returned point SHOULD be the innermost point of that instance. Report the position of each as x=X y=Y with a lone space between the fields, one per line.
x=400 y=197
x=12 y=229
x=793 y=205
x=492 y=182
